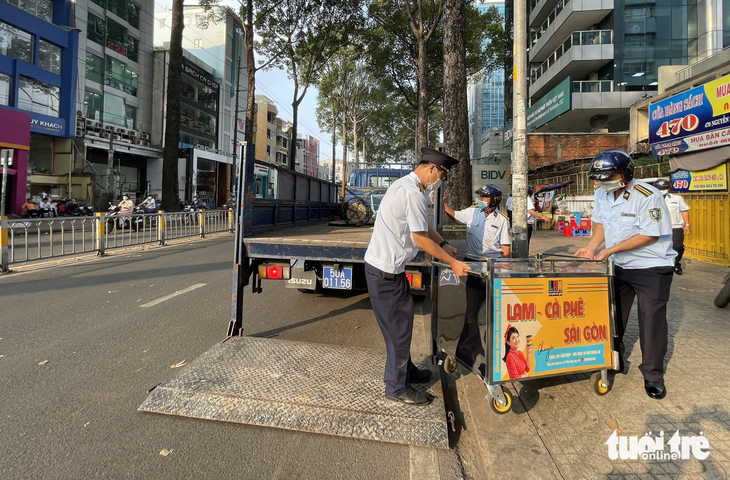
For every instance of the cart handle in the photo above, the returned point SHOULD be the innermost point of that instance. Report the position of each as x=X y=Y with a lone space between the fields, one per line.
x=473 y=273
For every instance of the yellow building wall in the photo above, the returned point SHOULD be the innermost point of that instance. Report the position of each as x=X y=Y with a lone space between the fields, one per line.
x=709 y=218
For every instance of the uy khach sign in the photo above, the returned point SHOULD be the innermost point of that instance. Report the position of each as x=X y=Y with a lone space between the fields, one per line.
x=694 y=120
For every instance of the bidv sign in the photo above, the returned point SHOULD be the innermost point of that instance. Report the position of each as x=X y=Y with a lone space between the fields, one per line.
x=494 y=174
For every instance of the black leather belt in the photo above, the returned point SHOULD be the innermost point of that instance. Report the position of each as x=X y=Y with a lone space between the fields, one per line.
x=388 y=276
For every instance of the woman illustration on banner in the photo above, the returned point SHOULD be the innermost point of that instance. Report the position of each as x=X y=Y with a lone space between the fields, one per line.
x=518 y=364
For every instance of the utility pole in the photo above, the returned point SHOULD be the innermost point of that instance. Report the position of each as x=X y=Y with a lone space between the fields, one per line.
x=520 y=248
x=235 y=128
x=109 y=166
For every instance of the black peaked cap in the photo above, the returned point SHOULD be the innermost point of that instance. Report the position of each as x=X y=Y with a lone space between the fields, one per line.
x=438 y=158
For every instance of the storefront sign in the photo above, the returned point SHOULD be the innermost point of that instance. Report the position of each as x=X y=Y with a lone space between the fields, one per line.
x=694 y=120
x=551 y=106
x=712 y=180
x=260 y=171
x=213 y=150
x=43 y=125
x=199 y=76
x=565 y=320
x=117 y=47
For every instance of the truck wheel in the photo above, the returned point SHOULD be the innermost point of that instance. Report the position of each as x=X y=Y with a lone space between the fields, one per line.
x=723 y=298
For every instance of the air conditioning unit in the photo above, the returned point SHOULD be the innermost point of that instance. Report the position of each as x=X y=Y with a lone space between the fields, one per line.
x=79 y=132
x=105 y=135
x=117 y=137
x=132 y=133
x=109 y=127
x=144 y=135
x=98 y=125
x=92 y=132
x=136 y=140
x=144 y=143
x=89 y=123
x=79 y=113
x=123 y=131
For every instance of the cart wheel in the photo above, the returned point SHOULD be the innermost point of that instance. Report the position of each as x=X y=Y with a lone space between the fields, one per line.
x=507 y=407
x=450 y=365
x=598 y=385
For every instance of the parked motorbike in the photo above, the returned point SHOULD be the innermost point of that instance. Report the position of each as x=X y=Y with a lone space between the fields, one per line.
x=70 y=207
x=723 y=298
x=115 y=220
x=86 y=210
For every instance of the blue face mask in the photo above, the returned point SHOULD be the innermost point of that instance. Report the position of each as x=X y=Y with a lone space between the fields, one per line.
x=482 y=205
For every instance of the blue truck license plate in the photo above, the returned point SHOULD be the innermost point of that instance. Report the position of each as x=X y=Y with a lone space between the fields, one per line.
x=337 y=279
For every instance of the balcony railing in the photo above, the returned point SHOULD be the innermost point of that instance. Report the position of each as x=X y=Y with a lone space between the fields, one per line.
x=579 y=38
x=548 y=21
x=592 y=86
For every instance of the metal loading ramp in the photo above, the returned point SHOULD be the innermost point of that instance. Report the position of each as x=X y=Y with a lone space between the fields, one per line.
x=308 y=387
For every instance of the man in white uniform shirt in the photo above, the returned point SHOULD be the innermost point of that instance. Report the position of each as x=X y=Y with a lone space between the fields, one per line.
x=679 y=213
x=401 y=229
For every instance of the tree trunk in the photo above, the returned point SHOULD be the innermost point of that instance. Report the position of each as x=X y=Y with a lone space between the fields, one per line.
x=344 y=155
x=251 y=70
x=456 y=121
x=334 y=143
x=355 y=151
x=170 y=198
x=422 y=128
x=293 y=130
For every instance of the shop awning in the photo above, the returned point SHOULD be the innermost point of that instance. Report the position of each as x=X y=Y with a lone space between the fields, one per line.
x=702 y=160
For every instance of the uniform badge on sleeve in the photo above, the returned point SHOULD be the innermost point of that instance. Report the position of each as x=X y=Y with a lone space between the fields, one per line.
x=447 y=277
x=655 y=214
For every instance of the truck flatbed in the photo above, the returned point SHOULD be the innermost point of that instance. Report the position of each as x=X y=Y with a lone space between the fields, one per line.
x=322 y=242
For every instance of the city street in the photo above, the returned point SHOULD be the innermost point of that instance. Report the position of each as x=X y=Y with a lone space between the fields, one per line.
x=81 y=345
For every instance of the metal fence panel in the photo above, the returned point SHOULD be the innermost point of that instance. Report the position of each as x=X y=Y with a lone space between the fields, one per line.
x=709 y=217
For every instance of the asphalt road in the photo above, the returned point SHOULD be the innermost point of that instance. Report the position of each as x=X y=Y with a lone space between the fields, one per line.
x=78 y=353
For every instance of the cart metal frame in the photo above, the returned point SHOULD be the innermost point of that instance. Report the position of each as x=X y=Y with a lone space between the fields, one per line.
x=544 y=267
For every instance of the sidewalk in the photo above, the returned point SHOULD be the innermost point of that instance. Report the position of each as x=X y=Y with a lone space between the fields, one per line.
x=558 y=427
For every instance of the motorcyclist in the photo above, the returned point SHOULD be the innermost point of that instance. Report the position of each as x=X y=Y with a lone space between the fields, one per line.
x=149 y=205
x=126 y=206
x=198 y=204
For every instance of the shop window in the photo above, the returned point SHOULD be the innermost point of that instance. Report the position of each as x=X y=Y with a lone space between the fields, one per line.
x=120 y=77
x=6 y=83
x=96 y=29
x=133 y=15
x=117 y=7
x=94 y=68
x=93 y=106
x=49 y=57
x=206 y=176
x=114 y=110
x=42 y=9
x=188 y=140
x=16 y=43
x=38 y=97
x=131 y=114
x=40 y=155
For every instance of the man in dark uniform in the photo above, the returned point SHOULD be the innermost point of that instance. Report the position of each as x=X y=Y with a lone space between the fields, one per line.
x=633 y=219
x=401 y=229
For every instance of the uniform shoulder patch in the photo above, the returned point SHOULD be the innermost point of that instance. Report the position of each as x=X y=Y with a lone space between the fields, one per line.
x=655 y=214
x=642 y=190
x=504 y=215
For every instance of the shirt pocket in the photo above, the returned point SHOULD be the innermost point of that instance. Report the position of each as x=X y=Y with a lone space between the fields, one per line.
x=627 y=227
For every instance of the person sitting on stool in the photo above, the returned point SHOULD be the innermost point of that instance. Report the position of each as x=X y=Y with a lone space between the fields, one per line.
x=401 y=229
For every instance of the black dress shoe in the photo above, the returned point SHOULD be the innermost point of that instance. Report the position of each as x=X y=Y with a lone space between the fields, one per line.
x=655 y=390
x=412 y=397
x=418 y=375
x=678 y=269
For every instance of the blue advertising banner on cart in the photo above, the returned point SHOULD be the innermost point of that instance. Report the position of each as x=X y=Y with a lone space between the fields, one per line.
x=693 y=120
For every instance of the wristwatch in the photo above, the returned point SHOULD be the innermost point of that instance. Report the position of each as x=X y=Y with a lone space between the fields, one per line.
x=445 y=242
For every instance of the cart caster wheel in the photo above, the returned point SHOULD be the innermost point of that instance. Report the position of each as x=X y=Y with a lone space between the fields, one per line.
x=450 y=365
x=503 y=409
x=598 y=385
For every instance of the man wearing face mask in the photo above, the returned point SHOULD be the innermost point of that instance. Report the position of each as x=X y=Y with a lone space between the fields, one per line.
x=679 y=213
x=487 y=236
x=401 y=229
x=633 y=219
x=487 y=230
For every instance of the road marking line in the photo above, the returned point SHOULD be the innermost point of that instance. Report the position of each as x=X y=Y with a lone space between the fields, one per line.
x=168 y=297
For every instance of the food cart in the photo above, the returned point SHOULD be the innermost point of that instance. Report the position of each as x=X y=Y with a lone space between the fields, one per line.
x=561 y=308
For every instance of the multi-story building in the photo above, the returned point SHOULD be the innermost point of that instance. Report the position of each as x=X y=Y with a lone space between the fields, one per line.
x=589 y=61
x=38 y=75
x=115 y=95
x=307 y=155
x=215 y=39
x=485 y=99
x=266 y=129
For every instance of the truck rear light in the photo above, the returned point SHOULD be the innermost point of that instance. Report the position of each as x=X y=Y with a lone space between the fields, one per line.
x=274 y=272
x=415 y=279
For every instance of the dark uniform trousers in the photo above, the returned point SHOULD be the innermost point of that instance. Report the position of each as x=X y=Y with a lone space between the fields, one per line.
x=651 y=288
x=678 y=244
x=393 y=307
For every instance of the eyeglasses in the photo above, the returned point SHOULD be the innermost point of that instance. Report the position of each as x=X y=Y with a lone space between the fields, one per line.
x=443 y=171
